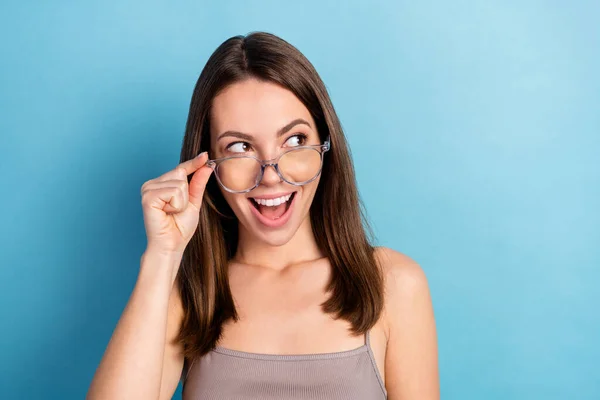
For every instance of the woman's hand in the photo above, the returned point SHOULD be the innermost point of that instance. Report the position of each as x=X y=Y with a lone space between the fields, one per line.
x=172 y=206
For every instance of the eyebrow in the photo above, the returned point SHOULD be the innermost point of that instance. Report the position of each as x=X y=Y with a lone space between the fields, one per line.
x=280 y=132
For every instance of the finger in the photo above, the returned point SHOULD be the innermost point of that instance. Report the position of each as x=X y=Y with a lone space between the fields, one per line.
x=168 y=199
x=182 y=185
x=185 y=168
x=198 y=185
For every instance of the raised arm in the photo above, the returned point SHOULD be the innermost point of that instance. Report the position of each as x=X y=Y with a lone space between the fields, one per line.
x=142 y=360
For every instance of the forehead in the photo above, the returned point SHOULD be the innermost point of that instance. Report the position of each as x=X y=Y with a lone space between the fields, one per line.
x=255 y=107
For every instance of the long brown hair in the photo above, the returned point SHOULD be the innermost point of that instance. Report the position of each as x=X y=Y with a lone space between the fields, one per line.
x=337 y=214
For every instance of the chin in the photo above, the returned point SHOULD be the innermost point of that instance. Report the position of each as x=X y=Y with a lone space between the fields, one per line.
x=275 y=239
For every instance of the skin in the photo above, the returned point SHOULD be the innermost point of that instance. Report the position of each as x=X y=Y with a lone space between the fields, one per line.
x=277 y=277
x=260 y=110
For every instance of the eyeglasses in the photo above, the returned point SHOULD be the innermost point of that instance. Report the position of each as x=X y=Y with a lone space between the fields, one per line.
x=297 y=166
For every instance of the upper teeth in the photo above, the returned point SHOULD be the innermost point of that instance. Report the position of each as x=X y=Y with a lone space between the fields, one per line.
x=273 y=202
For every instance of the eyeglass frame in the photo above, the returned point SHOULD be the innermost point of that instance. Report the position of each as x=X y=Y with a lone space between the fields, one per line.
x=274 y=162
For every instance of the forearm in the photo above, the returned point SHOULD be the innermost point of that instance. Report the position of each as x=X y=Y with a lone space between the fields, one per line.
x=131 y=366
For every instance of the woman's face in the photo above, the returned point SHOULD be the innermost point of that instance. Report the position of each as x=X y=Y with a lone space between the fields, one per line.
x=263 y=119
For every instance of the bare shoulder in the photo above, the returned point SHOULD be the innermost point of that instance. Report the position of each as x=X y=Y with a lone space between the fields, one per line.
x=411 y=369
x=399 y=267
x=404 y=279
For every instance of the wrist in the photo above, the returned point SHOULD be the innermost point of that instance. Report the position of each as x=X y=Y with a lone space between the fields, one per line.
x=157 y=261
x=152 y=252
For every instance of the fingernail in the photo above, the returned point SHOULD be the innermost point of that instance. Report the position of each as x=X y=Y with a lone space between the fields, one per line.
x=201 y=154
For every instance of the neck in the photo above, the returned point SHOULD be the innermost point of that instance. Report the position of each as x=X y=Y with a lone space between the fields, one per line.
x=300 y=248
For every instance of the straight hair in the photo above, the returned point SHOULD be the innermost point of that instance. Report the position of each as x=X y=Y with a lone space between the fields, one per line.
x=337 y=214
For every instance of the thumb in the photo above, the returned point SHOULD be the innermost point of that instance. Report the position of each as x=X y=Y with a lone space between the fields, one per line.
x=197 y=185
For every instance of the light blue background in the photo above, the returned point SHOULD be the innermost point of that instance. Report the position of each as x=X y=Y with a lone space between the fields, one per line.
x=475 y=131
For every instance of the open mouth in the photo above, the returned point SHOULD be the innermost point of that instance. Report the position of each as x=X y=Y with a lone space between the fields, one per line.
x=274 y=208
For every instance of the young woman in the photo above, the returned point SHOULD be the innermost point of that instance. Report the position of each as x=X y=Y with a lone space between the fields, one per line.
x=259 y=280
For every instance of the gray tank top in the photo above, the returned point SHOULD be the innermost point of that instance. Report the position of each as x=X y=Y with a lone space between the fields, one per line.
x=232 y=374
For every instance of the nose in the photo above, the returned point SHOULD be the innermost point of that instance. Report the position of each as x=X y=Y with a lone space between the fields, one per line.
x=270 y=176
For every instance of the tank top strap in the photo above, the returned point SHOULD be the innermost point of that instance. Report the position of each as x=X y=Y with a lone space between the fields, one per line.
x=373 y=362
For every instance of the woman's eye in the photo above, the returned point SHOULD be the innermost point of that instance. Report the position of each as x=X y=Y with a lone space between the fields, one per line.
x=296 y=140
x=238 y=147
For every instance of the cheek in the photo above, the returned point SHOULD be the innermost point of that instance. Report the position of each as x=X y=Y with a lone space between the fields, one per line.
x=309 y=192
x=234 y=200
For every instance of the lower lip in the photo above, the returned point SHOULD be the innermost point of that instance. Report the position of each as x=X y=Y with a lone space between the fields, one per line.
x=274 y=223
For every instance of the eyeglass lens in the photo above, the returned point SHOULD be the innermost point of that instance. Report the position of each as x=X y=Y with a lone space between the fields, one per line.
x=296 y=167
